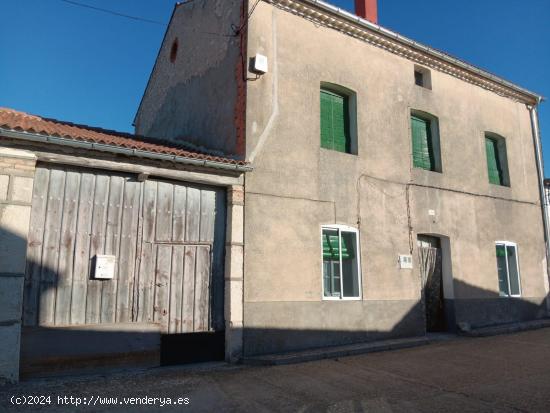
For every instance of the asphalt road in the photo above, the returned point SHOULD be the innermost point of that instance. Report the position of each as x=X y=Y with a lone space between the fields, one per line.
x=496 y=374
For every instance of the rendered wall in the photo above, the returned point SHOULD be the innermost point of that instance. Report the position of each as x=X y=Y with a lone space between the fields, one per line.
x=296 y=187
x=196 y=98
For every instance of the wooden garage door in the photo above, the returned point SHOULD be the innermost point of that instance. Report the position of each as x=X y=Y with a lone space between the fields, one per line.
x=168 y=239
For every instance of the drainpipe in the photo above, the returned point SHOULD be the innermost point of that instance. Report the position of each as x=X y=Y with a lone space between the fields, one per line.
x=540 y=172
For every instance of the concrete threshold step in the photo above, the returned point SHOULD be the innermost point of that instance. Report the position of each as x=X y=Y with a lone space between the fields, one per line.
x=334 y=351
x=507 y=328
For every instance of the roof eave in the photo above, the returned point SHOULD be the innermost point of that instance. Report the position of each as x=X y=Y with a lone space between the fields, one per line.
x=348 y=17
x=114 y=149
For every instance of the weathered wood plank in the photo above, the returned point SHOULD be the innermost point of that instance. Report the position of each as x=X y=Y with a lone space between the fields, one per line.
x=178 y=217
x=202 y=290
x=81 y=271
x=34 y=248
x=136 y=289
x=164 y=211
x=162 y=286
x=163 y=232
x=50 y=250
x=127 y=259
x=176 y=289
x=66 y=249
x=97 y=245
x=192 y=230
x=146 y=277
x=208 y=215
x=112 y=244
x=188 y=305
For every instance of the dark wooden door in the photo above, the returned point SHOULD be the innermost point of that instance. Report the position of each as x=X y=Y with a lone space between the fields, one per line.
x=430 y=258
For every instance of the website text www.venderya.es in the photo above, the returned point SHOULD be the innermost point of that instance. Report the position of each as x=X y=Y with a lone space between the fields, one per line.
x=94 y=400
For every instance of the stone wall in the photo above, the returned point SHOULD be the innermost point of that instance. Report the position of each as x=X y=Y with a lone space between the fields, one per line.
x=16 y=184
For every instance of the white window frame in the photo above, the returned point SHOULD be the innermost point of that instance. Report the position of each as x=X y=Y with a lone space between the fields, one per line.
x=515 y=245
x=341 y=228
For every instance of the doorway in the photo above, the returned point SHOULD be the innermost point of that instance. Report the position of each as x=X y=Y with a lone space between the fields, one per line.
x=431 y=270
x=163 y=300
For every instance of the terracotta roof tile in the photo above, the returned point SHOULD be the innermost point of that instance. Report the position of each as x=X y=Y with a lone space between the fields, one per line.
x=20 y=121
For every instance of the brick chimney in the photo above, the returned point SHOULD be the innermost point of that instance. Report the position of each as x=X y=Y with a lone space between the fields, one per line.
x=367 y=9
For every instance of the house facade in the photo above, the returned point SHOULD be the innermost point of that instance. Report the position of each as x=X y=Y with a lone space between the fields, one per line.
x=300 y=177
x=395 y=189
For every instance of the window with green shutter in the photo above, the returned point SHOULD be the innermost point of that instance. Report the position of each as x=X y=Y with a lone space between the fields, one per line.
x=497 y=165
x=424 y=151
x=341 y=275
x=335 y=122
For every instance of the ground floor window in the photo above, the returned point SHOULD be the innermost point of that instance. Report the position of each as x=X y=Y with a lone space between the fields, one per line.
x=508 y=269
x=341 y=270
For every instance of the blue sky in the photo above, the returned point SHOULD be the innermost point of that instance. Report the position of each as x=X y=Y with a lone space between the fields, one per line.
x=84 y=66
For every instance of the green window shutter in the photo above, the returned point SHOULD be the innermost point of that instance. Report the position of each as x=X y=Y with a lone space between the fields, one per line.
x=331 y=248
x=340 y=123
x=493 y=162
x=326 y=120
x=335 y=130
x=423 y=154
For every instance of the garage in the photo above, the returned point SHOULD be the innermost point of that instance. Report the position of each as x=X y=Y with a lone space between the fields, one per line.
x=121 y=269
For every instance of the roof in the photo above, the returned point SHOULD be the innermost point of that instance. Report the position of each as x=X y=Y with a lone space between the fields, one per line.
x=33 y=125
x=326 y=14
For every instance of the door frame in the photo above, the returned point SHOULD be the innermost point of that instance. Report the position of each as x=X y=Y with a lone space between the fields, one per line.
x=446 y=279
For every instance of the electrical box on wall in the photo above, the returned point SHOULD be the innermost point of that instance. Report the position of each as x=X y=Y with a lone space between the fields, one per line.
x=104 y=267
x=405 y=261
x=259 y=64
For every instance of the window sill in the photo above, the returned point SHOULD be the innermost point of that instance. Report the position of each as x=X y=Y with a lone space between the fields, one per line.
x=427 y=170
x=336 y=151
x=491 y=185
x=342 y=299
x=429 y=89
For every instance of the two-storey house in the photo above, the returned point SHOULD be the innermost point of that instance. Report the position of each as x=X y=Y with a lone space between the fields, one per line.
x=395 y=188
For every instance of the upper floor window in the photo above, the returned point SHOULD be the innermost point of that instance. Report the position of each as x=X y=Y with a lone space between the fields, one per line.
x=422 y=77
x=338 y=123
x=508 y=269
x=425 y=141
x=497 y=160
x=341 y=271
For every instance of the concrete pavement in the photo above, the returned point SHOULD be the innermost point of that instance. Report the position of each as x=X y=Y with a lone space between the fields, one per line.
x=507 y=373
